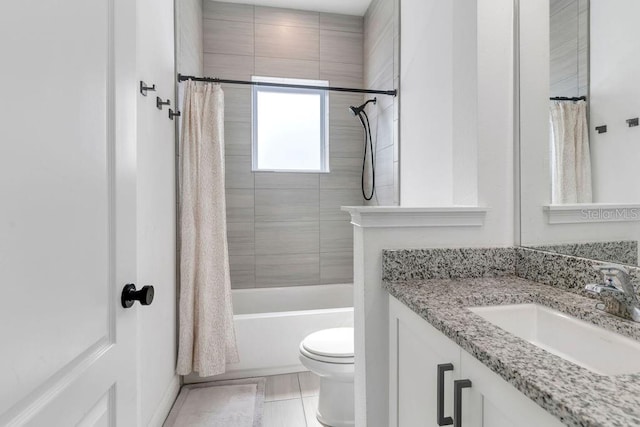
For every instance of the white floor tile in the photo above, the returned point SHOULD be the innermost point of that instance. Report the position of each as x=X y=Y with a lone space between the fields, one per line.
x=284 y=413
x=282 y=387
x=310 y=405
x=309 y=383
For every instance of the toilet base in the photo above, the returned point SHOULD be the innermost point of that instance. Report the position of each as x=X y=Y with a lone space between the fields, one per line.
x=336 y=403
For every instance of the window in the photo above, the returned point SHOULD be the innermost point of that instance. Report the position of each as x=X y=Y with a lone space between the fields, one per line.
x=290 y=127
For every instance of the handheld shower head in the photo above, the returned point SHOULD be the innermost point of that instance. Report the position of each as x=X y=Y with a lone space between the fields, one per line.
x=357 y=110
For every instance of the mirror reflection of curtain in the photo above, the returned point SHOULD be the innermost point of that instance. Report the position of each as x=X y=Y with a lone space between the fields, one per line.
x=570 y=155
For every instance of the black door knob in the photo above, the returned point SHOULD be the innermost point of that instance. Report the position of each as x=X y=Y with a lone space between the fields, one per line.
x=130 y=295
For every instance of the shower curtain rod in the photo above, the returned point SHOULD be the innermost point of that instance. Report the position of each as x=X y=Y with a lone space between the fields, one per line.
x=182 y=78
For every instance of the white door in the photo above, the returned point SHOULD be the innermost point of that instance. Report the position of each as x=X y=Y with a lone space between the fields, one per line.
x=67 y=212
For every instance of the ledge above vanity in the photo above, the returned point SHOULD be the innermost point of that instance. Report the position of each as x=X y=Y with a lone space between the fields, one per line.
x=401 y=216
x=592 y=212
x=425 y=282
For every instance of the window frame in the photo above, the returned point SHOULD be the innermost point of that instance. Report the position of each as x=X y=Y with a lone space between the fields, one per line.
x=324 y=119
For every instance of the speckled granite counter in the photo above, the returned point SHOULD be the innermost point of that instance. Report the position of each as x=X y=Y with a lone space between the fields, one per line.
x=575 y=395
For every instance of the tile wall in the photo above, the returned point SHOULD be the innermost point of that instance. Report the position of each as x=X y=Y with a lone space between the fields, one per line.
x=286 y=229
x=381 y=71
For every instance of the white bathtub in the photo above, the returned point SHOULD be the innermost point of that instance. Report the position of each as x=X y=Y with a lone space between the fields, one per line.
x=271 y=322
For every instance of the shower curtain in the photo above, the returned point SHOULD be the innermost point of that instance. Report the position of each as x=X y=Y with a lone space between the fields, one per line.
x=571 y=159
x=206 y=333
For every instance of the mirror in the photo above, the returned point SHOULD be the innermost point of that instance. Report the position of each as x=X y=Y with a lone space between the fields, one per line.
x=579 y=141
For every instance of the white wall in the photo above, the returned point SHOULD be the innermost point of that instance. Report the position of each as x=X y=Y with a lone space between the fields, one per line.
x=457 y=108
x=158 y=383
x=615 y=97
x=535 y=173
x=426 y=71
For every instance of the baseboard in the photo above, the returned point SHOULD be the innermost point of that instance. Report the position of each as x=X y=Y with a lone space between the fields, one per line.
x=164 y=407
x=246 y=373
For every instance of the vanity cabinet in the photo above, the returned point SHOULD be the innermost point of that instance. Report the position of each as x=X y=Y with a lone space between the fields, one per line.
x=425 y=365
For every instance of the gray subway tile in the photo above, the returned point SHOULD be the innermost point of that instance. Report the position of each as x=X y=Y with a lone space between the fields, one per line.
x=237 y=102
x=241 y=238
x=287 y=205
x=351 y=47
x=238 y=172
x=384 y=166
x=237 y=138
x=240 y=205
x=228 y=37
x=336 y=236
x=287 y=270
x=227 y=11
x=385 y=195
x=339 y=22
x=346 y=141
x=341 y=74
x=287 y=180
x=288 y=68
x=291 y=237
x=378 y=15
x=242 y=271
x=332 y=199
x=339 y=114
x=286 y=17
x=345 y=173
x=226 y=66
x=294 y=43
x=336 y=267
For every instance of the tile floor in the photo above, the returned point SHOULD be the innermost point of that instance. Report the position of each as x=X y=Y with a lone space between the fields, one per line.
x=290 y=400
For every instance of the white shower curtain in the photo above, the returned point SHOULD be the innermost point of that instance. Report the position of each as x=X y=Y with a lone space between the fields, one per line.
x=571 y=159
x=206 y=337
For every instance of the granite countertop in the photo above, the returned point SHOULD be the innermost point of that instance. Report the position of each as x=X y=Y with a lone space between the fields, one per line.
x=575 y=395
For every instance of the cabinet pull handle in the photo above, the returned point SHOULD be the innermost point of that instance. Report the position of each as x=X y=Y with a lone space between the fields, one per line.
x=458 y=385
x=442 y=420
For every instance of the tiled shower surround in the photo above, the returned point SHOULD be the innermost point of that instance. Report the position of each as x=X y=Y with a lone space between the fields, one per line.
x=382 y=71
x=287 y=229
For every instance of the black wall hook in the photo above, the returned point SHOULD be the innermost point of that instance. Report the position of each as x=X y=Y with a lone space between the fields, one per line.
x=144 y=88
x=160 y=102
x=633 y=122
x=173 y=114
x=601 y=129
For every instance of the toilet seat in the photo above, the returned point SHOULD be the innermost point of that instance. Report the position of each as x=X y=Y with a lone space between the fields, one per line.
x=329 y=346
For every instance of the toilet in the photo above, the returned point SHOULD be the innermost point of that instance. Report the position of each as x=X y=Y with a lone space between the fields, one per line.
x=329 y=354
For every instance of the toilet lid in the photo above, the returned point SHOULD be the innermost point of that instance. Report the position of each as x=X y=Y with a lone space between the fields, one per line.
x=336 y=342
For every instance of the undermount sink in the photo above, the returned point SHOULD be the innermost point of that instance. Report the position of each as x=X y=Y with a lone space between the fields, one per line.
x=594 y=348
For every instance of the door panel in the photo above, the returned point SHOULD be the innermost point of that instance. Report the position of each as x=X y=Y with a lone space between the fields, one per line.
x=67 y=222
x=420 y=348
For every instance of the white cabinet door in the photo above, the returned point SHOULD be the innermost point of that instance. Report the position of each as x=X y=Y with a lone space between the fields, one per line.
x=492 y=402
x=417 y=350
x=67 y=212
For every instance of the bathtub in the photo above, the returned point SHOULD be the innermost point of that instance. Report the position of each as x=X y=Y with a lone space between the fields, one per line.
x=271 y=322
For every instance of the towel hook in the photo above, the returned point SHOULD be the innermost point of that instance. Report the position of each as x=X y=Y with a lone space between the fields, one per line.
x=633 y=122
x=160 y=102
x=601 y=129
x=144 y=88
x=173 y=114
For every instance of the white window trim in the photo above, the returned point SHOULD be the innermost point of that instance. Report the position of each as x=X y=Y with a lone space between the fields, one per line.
x=324 y=119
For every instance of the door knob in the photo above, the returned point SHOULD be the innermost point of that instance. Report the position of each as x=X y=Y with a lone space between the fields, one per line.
x=131 y=295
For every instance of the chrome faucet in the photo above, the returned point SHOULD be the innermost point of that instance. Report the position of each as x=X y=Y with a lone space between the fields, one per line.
x=617 y=284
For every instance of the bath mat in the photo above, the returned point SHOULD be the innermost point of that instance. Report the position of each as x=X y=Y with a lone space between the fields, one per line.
x=237 y=403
